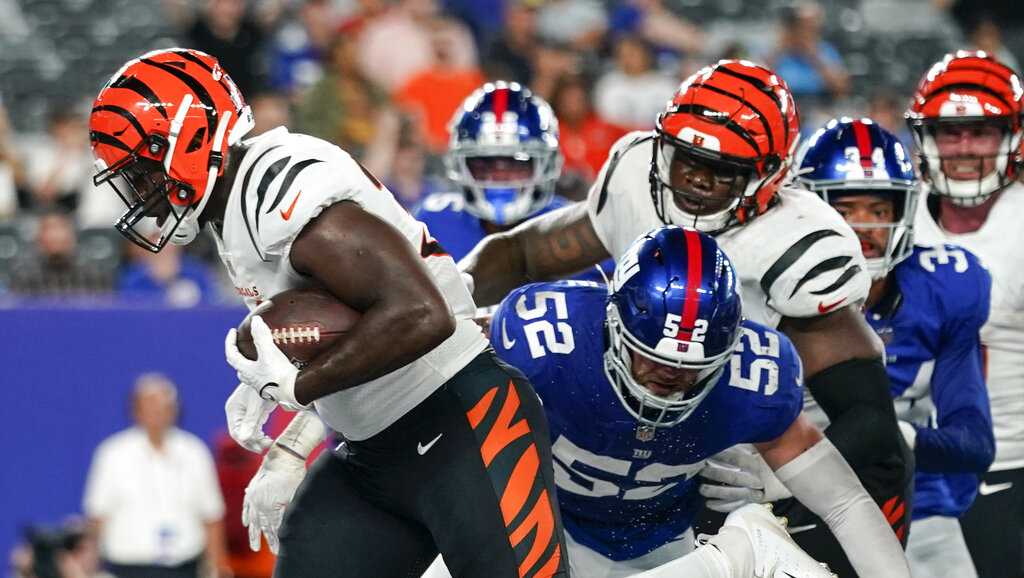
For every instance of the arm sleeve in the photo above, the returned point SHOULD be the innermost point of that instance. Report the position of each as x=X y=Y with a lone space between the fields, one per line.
x=824 y=482
x=963 y=442
x=855 y=394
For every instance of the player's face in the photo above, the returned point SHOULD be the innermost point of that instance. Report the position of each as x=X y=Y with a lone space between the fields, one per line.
x=968 y=150
x=868 y=210
x=701 y=187
x=662 y=380
x=500 y=169
x=149 y=182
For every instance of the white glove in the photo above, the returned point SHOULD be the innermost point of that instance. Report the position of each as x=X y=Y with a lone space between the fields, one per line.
x=272 y=375
x=247 y=412
x=747 y=479
x=269 y=493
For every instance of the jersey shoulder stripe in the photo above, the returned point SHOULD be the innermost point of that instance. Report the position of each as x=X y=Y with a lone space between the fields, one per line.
x=618 y=150
x=791 y=256
x=244 y=198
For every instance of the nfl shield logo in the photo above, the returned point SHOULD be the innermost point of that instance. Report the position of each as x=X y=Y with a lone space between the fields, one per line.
x=644 y=433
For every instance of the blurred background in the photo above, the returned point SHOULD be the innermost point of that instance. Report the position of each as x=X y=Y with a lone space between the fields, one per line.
x=83 y=315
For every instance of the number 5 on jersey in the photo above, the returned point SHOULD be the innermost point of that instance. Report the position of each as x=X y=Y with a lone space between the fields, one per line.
x=542 y=335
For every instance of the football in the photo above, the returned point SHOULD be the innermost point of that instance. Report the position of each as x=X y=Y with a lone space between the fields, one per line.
x=304 y=323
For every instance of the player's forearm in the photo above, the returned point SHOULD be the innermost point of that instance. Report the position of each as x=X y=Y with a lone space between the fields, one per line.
x=856 y=397
x=390 y=335
x=964 y=444
x=497 y=265
x=826 y=484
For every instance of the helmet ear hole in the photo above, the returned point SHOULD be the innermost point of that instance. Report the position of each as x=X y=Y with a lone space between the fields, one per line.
x=772 y=163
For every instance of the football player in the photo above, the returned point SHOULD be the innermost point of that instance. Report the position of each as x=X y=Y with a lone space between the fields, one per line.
x=644 y=382
x=966 y=121
x=504 y=158
x=716 y=161
x=928 y=305
x=446 y=448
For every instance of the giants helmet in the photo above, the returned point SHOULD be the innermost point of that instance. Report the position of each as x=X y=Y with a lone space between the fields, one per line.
x=674 y=300
x=160 y=129
x=741 y=119
x=858 y=157
x=968 y=87
x=502 y=125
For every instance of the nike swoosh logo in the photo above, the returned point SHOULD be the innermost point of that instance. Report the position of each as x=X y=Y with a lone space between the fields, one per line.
x=823 y=309
x=797 y=529
x=422 y=449
x=505 y=341
x=287 y=214
x=986 y=489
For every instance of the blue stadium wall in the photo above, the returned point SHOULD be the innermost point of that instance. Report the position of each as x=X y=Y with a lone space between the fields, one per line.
x=65 y=379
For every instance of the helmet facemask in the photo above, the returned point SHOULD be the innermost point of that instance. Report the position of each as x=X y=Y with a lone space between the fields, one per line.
x=505 y=184
x=732 y=184
x=986 y=173
x=899 y=233
x=647 y=407
x=140 y=180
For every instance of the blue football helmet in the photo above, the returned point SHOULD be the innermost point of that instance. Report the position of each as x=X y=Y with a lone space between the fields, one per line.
x=858 y=157
x=504 y=153
x=673 y=299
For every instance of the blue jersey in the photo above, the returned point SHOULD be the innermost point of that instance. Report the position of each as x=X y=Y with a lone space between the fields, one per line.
x=458 y=230
x=623 y=493
x=929 y=321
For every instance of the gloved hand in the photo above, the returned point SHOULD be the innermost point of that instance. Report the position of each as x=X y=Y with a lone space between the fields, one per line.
x=246 y=413
x=271 y=375
x=746 y=478
x=269 y=493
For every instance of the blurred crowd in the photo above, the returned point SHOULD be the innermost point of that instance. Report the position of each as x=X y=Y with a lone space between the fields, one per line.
x=382 y=78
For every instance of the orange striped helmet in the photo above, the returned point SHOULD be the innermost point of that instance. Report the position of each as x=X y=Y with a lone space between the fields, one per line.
x=723 y=146
x=160 y=131
x=963 y=96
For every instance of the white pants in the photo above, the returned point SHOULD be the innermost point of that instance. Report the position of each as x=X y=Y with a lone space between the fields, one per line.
x=589 y=564
x=936 y=549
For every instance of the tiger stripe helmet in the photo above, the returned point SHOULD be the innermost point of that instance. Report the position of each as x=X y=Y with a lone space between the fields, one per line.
x=160 y=131
x=968 y=87
x=735 y=115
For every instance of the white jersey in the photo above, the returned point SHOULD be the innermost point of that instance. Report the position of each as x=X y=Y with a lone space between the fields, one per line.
x=798 y=259
x=997 y=244
x=284 y=181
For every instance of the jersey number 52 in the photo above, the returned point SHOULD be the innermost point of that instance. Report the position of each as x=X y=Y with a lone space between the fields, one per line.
x=542 y=335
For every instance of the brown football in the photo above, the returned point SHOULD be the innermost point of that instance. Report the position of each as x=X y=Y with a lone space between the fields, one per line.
x=304 y=323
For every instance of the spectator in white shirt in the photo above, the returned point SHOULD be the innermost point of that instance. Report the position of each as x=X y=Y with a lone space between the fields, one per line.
x=152 y=492
x=633 y=93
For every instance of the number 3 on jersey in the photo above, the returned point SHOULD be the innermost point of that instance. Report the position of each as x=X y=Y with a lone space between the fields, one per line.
x=541 y=335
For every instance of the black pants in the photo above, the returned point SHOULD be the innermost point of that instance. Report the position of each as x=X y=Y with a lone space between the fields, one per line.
x=466 y=473
x=189 y=569
x=994 y=526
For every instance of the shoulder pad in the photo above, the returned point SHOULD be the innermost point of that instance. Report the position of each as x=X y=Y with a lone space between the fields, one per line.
x=808 y=260
x=766 y=363
x=294 y=183
x=540 y=322
x=620 y=199
x=440 y=203
x=959 y=278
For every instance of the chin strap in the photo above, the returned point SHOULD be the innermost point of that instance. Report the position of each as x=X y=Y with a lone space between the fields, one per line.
x=188 y=229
